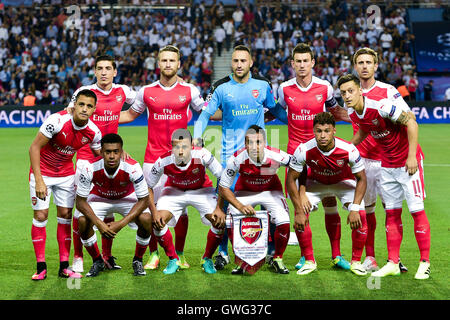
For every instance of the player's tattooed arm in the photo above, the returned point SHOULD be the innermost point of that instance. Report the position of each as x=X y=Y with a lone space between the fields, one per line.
x=404 y=118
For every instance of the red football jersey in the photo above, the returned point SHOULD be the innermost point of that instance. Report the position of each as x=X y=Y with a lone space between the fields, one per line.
x=190 y=177
x=336 y=165
x=65 y=139
x=379 y=120
x=369 y=148
x=107 y=112
x=127 y=179
x=302 y=105
x=167 y=110
x=255 y=176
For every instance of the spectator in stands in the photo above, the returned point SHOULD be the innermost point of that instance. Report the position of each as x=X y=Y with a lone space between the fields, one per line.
x=428 y=91
x=238 y=16
x=29 y=100
x=219 y=37
x=38 y=38
x=228 y=26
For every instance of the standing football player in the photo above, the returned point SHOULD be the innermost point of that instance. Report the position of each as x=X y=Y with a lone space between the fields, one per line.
x=51 y=153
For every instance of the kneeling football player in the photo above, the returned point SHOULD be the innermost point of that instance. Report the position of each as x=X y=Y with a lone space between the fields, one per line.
x=335 y=169
x=118 y=187
x=187 y=185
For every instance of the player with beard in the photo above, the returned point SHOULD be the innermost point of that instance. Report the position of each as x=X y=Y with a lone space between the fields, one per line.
x=365 y=62
x=242 y=98
x=110 y=99
x=167 y=102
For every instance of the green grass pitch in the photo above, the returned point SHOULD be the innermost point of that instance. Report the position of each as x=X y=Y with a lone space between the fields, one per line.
x=17 y=261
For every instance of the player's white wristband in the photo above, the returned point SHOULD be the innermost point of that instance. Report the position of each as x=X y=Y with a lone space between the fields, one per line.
x=354 y=207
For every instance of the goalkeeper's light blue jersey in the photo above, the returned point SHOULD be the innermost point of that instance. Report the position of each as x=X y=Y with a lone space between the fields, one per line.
x=242 y=106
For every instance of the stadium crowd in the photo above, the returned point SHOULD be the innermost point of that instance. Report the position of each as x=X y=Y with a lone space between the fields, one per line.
x=43 y=57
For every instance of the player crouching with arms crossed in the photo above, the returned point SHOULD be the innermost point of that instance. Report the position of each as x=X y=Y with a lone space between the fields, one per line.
x=187 y=185
x=336 y=169
x=118 y=187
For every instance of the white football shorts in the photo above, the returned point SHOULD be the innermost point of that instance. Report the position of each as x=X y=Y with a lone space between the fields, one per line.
x=63 y=189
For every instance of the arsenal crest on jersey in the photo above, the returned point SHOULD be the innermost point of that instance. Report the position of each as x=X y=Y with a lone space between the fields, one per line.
x=250 y=229
x=375 y=122
x=340 y=162
x=84 y=140
x=319 y=97
x=182 y=98
x=119 y=98
x=255 y=93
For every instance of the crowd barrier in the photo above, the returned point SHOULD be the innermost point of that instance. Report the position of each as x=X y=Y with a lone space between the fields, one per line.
x=20 y=116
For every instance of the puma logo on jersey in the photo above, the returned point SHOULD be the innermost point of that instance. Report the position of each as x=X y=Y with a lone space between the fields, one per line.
x=64 y=134
x=152 y=98
x=292 y=99
x=316 y=162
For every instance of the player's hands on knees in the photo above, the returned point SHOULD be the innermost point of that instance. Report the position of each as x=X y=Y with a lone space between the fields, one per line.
x=301 y=221
x=106 y=231
x=41 y=190
x=354 y=219
x=248 y=210
x=411 y=165
x=305 y=205
x=218 y=218
x=158 y=221
x=116 y=226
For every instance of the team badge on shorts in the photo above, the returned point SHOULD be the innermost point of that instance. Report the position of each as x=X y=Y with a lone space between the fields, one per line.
x=255 y=93
x=250 y=229
x=33 y=200
x=182 y=98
